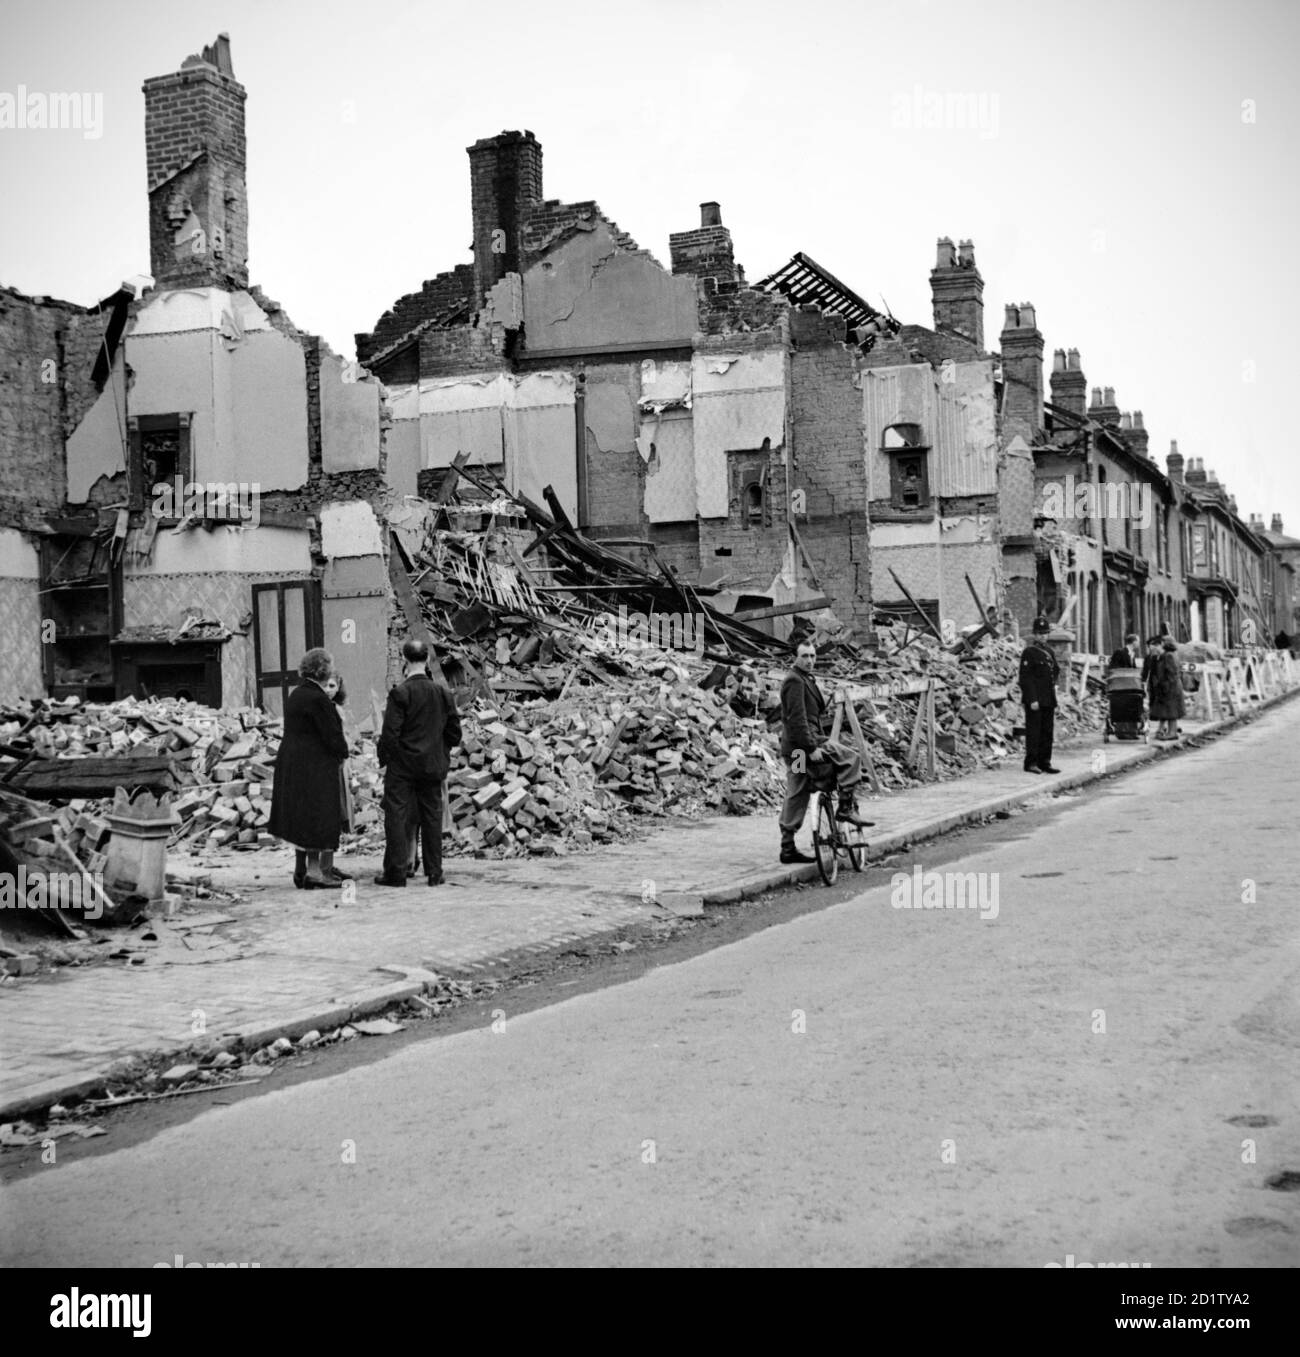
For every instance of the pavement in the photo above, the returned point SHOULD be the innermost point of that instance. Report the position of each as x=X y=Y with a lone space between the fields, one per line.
x=288 y=961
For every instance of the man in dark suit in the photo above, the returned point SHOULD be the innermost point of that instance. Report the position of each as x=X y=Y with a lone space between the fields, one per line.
x=807 y=753
x=1038 y=674
x=421 y=728
x=1129 y=657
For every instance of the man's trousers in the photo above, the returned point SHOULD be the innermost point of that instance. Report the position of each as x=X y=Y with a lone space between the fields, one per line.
x=406 y=801
x=1039 y=728
x=799 y=785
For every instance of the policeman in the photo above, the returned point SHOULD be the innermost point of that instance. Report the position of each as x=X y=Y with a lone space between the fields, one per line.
x=1038 y=674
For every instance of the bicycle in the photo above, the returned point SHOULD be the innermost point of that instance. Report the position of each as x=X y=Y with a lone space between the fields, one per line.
x=833 y=839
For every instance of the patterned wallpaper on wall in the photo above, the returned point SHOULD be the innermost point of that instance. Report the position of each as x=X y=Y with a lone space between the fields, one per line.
x=148 y=600
x=20 y=625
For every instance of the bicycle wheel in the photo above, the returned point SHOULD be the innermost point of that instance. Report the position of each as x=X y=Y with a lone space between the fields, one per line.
x=826 y=841
x=856 y=848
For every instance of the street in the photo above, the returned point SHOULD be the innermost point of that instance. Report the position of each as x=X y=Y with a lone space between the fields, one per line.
x=1100 y=1067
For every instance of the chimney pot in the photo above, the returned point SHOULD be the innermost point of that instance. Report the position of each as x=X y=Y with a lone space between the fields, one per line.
x=1072 y=360
x=1058 y=361
x=1013 y=317
x=710 y=214
x=1096 y=396
x=1277 y=523
x=966 y=254
x=1027 y=319
x=957 y=292
x=1109 y=395
x=1126 y=422
x=1137 y=420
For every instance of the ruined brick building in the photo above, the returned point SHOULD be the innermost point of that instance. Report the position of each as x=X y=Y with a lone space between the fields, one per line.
x=200 y=382
x=751 y=432
x=782 y=440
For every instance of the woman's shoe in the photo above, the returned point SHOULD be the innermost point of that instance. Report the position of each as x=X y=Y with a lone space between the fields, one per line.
x=298 y=880
x=335 y=875
x=316 y=883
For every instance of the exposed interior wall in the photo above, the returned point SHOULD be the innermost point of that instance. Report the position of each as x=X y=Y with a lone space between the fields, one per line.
x=738 y=403
x=349 y=415
x=355 y=604
x=589 y=292
x=524 y=424
x=20 y=618
x=350 y=530
x=97 y=446
x=210 y=574
x=217 y=355
x=402 y=440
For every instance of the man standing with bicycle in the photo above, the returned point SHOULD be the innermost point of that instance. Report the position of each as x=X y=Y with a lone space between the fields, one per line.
x=809 y=755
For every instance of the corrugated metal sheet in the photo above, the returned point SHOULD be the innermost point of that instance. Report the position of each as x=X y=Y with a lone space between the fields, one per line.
x=956 y=419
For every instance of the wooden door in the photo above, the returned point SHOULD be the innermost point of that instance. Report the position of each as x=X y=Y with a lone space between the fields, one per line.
x=286 y=624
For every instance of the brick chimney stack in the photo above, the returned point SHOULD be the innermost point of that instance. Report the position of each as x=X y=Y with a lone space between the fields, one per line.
x=1134 y=433
x=505 y=183
x=1174 y=462
x=1277 y=524
x=957 y=292
x=1022 y=373
x=707 y=252
x=1196 y=472
x=195 y=155
x=1103 y=408
x=1069 y=386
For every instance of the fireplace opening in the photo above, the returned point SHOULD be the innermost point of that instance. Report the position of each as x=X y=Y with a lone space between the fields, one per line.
x=187 y=681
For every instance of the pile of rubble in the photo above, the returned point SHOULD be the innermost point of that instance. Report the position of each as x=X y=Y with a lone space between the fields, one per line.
x=573 y=724
x=627 y=733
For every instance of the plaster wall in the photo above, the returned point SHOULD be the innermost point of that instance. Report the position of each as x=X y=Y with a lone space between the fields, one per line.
x=215 y=355
x=670 y=469
x=589 y=294
x=97 y=446
x=738 y=403
x=350 y=529
x=349 y=419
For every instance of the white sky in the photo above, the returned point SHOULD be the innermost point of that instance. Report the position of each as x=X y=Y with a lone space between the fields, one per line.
x=1113 y=183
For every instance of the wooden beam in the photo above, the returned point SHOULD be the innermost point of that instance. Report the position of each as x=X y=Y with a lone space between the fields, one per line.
x=925 y=617
x=781 y=609
x=803 y=551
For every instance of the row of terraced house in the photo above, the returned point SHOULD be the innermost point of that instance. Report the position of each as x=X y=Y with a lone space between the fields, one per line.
x=781 y=440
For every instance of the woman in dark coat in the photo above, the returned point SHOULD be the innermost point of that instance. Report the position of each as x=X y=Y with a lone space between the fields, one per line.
x=1167 y=703
x=305 y=796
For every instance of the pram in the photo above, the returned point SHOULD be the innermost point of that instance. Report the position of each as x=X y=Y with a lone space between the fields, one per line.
x=1126 y=713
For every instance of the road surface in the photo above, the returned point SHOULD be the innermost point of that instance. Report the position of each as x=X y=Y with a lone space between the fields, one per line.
x=1106 y=1071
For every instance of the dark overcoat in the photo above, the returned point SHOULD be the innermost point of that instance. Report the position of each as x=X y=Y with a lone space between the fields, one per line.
x=421 y=728
x=1166 y=688
x=803 y=714
x=305 y=797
